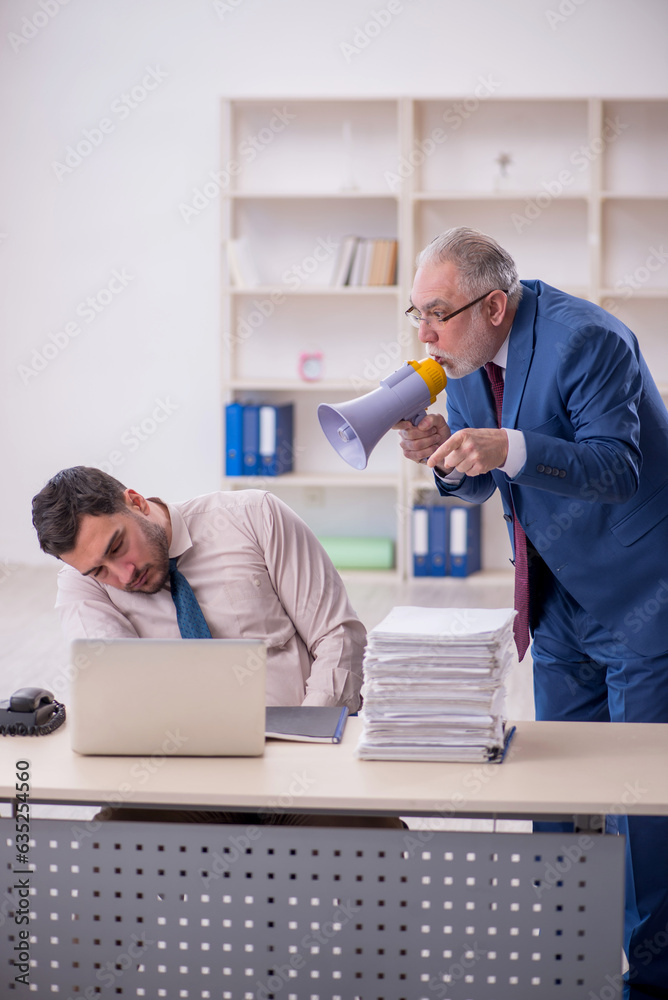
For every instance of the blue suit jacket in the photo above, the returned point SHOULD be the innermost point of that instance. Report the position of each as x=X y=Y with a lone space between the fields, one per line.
x=593 y=494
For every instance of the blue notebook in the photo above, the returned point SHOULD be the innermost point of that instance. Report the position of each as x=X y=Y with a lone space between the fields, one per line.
x=306 y=723
x=234 y=465
x=251 y=439
x=438 y=541
x=464 y=539
x=421 y=562
x=275 y=449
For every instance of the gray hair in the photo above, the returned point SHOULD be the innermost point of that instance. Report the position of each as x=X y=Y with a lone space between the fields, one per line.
x=481 y=262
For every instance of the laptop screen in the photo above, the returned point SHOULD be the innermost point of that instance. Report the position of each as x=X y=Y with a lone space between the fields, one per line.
x=181 y=697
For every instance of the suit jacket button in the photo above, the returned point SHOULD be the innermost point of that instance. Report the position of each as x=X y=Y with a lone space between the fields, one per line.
x=540 y=468
x=557 y=472
x=507 y=517
x=548 y=470
x=562 y=473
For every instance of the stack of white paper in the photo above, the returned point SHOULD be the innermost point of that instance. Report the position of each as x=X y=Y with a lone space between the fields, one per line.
x=434 y=684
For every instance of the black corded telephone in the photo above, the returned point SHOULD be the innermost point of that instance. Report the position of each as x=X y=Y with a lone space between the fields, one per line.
x=30 y=712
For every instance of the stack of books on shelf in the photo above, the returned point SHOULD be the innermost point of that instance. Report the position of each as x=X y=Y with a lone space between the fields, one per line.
x=434 y=685
x=258 y=439
x=363 y=261
x=446 y=539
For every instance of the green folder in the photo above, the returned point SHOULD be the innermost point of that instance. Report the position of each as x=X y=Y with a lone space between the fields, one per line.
x=359 y=553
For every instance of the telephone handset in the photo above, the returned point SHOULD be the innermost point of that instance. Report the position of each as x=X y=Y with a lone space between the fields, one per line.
x=30 y=712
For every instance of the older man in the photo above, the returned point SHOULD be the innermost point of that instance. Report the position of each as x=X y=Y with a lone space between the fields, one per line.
x=550 y=401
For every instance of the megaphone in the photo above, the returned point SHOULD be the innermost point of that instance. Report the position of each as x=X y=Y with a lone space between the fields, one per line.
x=355 y=428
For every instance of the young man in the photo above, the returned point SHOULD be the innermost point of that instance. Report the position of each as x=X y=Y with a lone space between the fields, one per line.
x=255 y=568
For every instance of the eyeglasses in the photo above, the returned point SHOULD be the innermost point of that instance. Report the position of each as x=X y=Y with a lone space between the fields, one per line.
x=437 y=319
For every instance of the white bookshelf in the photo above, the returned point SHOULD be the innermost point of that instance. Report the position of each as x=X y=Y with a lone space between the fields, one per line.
x=581 y=202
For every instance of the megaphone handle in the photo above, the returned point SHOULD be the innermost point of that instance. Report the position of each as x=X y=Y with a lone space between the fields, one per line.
x=417 y=417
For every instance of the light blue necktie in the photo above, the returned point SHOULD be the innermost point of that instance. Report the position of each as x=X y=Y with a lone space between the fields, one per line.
x=192 y=623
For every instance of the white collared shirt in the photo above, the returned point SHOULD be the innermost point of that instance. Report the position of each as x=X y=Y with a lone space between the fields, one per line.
x=517 y=450
x=258 y=572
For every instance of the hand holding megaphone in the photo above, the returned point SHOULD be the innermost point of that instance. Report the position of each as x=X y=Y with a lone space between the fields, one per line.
x=354 y=428
x=419 y=443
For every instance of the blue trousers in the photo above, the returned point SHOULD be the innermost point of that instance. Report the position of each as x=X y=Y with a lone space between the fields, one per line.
x=582 y=674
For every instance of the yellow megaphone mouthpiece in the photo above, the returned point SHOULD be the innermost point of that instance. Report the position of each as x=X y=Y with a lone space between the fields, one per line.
x=433 y=375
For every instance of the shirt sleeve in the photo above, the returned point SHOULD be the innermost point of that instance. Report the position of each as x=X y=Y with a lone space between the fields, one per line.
x=517 y=453
x=313 y=595
x=86 y=610
x=453 y=478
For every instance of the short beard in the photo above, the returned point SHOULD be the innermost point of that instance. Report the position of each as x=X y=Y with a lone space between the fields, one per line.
x=459 y=367
x=156 y=536
x=472 y=357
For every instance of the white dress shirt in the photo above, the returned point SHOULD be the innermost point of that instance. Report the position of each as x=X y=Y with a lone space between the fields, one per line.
x=258 y=572
x=517 y=450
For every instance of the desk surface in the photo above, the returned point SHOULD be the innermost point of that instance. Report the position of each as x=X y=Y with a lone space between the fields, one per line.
x=551 y=767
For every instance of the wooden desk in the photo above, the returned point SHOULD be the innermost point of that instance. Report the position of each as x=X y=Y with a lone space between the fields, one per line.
x=551 y=767
x=296 y=913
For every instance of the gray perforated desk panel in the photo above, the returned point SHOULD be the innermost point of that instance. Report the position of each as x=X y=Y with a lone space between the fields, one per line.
x=188 y=911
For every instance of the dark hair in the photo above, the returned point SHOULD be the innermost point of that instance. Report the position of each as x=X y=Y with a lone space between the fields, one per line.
x=57 y=509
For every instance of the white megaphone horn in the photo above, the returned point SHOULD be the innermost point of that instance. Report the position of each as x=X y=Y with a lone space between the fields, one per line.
x=355 y=428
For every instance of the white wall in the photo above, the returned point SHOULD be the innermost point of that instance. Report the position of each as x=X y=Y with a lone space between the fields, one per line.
x=152 y=352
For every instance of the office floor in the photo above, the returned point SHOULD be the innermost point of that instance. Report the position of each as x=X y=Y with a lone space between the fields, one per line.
x=34 y=653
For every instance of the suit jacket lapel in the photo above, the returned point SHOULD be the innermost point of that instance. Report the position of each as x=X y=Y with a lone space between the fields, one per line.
x=520 y=353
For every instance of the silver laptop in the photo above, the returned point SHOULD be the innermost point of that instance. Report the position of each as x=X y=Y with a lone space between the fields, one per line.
x=171 y=697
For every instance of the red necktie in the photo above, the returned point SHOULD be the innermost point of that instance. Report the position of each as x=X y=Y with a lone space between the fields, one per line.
x=521 y=623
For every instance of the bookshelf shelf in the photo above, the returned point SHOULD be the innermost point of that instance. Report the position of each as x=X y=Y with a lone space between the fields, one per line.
x=633 y=196
x=638 y=293
x=345 y=291
x=370 y=576
x=317 y=479
x=509 y=195
x=323 y=386
x=311 y=195
x=575 y=188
